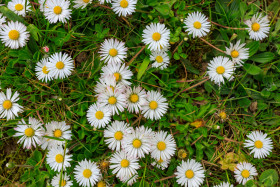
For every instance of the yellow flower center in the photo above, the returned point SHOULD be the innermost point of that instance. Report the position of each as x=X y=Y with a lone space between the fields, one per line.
x=118 y=76
x=197 y=25
x=136 y=143
x=113 y=52
x=245 y=173
x=29 y=132
x=234 y=54
x=7 y=104
x=156 y=36
x=124 y=3
x=258 y=144
x=63 y=183
x=59 y=65
x=160 y=161
x=134 y=98
x=45 y=70
x=223 y=115
x=159 y=59
x=118 y=135
x=99 y=115
x=153 y=105
x=87 y=173
x=256 y=27
x=220 y=70
x=124 y=163
x=161 y=146
x=57 y=10
x=86 y=1
x=184 y=155
x=57 y=133
x=59 y=158
x=101 y=184
x=19 y=7
x=14 y=34
x=112 y=100
x=189 y=174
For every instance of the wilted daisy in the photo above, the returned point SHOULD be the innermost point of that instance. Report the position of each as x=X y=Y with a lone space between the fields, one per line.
x=220 y=68
x=81 y=3
x=58 y=159
x=190 y=173
x=57 y=130
x=259 y=144
x=42 y=71
x=87 y=173
x=161 y=164
x=160 y=59
x=113 y=51
x=64 y=181
x=8 y=106
x=124 y=7
x=258 y=27
x=156 y=106
x=114 y=134
x=197 y=24
x=163 y=146
x=136 y=98
x=2 y=20
x=14 y=35
x=98 y=116
x=238 y=52
x=60 y=65
x=106 y=83
x=244 y=171
x=123 y=165
x=30 y=132
x=57 y=11
x=105 y=1
x=156 y=36
x=19 y=7
x=224 y=184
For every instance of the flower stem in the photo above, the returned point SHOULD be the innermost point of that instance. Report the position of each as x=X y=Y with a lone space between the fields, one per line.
x=212 y=45
x=226 y=27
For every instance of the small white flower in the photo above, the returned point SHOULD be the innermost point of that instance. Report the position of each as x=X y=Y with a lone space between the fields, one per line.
x=114 y=134
x=259 y=144
x=8 y=106
x=161 y=164
x=220 y=68
x=113 y=51
x=98 y=116
x=57 y=11
x=60 y=65
x=224 y=184
x=238 y=52
x=14 y=35
x=124 y=7
x=2 y=20
x=58 y=159
x=108 y=82
x=190 y=174
x=156 y=107
x=105 y=1
x=160 y=58
x=244 y=171
x=30 y=132
x=42 y=71
x=136 y=98
x=197 y=24
x=87 y=173
x=43 y=5
x=19 y=7
x=156 y=36
x=64 y=181
x=258 y=27
x=81 y=3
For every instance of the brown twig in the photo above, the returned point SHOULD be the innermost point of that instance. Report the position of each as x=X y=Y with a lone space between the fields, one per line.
x=165 y=178
x=226 y=27
x=177 y=47
x=135 y=56
x=211 y=45
x=39 y=116
x=197 y=140
x=196 y=85
x=35 y=3
x=104 y=6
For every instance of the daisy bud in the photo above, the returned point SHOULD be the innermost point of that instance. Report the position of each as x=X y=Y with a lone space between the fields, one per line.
x=185 y=39
x=46 y=49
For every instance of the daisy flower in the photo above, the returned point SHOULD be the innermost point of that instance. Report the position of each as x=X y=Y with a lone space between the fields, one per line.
x=98 y=116
x=238 y=52
x=124 y=7
x=259 y=144
x=60 y=65
x=14 y=35
x=160 y=58
x=224 y=184
x=244 y=171
x=156 y=106
x=43 y=5
x=123 y=165
x=190 y=173
x=64 y=181
x=8 y=106
x=105 y=1
x=106 y=83
x=197 y=24
x=161 y=164
x=81 y=3
x=113 y=51
x=57 y=11
x=19 y=7
x=156 y=36
x=136 y=98
x=258 y=27
x=58 y=130
x=163 y=146
x=220 y=68
x=58 y=159
x=30 y=132
x=114 y=134
x=87 y=173
x=42 y=71
x=2 y=20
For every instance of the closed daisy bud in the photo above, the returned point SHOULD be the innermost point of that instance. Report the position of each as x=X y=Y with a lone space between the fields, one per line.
x=244 y=171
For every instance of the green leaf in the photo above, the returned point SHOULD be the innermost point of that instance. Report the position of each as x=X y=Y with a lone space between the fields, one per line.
x=163 y=9
x=33 y=31
x=143 y=68
x=263 y=57
x=250 y=183
x=11 y=15
x=252 y=69
x=253 y=47
x=269 y=177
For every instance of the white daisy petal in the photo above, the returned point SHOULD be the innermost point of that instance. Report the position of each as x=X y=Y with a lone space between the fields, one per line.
x=160 y=58
x=81 y=3
x=224 y=184
x=238 y=52
x=98 y=116
x=42 y=71
x=136 y=98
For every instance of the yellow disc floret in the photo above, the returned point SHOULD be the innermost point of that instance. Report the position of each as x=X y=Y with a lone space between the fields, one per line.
x=245 y=173
x=57 y=133
x=113 y=52
x=134 y=98
x=153 y=105
x=57 y=10
x=124 y=163
x=63 y=183
x=258 y=144
x=86 y=1
x=7 y=104
x=223 y=115
x=14 y=34
x=156 y=36
x=99 y=115
x=123 y=3
x=189 y=174
x=117 y=76
x=136 y=143
x=159 y=59
x=112 y=100
x=256 y=27
x=59 y=158
x=45 y=70
x=197 y=25
x=101 y=184
x=118 y=135
x=161 y=146
x=87 y=173
x=220 y=70
x=59 y=65
x=19 y=7
x=234 y=54
x=29 y=132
